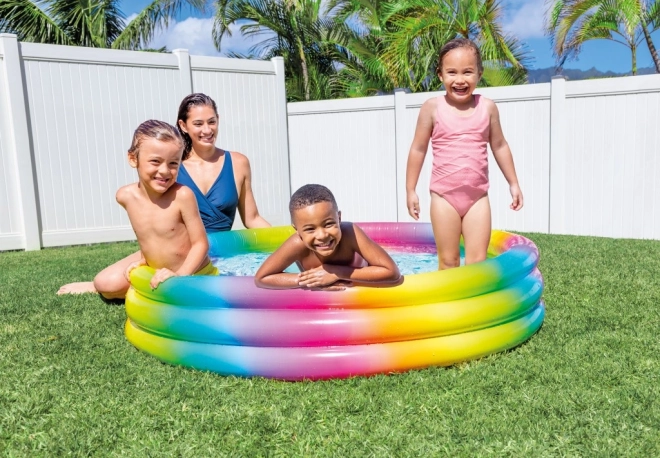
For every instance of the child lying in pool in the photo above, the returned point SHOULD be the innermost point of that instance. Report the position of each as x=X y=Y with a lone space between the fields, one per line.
x=330 y=254
x=163 y=213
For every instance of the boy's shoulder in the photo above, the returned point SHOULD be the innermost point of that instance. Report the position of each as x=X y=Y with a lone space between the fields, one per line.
x=126 y=192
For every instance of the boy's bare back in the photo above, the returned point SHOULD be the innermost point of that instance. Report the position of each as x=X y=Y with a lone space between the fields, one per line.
x=162 y=223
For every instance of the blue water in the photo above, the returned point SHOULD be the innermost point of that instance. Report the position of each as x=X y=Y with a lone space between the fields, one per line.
x=247 y=264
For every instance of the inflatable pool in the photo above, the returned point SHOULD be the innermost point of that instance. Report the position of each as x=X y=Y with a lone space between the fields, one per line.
x=227 y=325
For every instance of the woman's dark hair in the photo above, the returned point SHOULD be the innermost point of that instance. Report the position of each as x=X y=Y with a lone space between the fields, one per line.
x=192 y=100
x=459 y=43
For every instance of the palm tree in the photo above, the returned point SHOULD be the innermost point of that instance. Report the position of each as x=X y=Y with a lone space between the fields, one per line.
x=571 y=23
x=421 y=29
x=297 y=30
x=359 y=45
x=93 y=23
x=395 y=43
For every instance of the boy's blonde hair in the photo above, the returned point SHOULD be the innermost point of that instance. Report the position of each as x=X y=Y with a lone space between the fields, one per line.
x=155 y=129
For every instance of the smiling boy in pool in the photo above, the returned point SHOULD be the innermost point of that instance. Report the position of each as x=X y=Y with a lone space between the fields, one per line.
x=329 y=253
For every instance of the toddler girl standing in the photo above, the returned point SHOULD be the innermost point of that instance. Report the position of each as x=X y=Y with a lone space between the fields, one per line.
x=459 y=125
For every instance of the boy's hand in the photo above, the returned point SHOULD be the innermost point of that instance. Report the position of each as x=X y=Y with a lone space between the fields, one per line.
x=516 y=195
x=160 y=276
x=316 y=278
x=133 y=265
x=412 y=201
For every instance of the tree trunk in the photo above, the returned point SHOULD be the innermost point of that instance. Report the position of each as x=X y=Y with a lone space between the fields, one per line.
x=654 y=52
x=303 y=64
x=633 y=50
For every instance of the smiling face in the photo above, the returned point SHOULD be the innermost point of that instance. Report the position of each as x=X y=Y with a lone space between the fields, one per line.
x=202 y=126
x=318 y=226
x=157 y=163
x=460 y=75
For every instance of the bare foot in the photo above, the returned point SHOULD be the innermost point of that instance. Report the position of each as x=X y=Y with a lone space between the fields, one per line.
x=77 y=288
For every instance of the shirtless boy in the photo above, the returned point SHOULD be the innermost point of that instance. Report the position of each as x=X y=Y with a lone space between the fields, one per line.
x=330 y=254
x=163 y=213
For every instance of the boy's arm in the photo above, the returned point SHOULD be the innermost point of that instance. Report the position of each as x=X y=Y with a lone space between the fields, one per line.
x=503 y=156
x=199 y=244
x=380 y=271
x=271 y=274
x=417 y=155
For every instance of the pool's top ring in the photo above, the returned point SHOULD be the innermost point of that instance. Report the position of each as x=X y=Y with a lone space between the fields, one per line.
x=514 y=257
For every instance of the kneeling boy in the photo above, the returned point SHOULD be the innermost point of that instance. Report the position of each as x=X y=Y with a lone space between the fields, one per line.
x=163 y=213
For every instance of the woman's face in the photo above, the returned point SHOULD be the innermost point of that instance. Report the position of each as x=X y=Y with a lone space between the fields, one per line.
x=201 y=125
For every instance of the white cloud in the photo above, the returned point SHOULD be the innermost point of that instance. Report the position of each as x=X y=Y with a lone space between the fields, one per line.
x=525 y=19
x=195 y=35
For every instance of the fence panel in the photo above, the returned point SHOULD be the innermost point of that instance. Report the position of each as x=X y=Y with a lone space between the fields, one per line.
x=348 y=146
x=83 y=111
x=11 y=235
x=611 y=163
x=252 y=113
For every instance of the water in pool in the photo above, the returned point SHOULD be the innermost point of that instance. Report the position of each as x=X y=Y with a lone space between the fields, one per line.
x=247 y=264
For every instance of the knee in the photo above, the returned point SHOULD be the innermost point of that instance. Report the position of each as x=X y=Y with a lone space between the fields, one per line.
x=449 y=261
x=472 y=259
x=111 y=285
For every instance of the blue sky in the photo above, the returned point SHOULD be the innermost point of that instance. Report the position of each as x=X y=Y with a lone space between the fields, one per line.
x=524 y=18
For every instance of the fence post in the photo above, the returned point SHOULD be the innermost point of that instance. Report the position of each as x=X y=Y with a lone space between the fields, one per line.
x=282 y=117
x=185 y=73
x=557 y=194
x=19 y=139
x=401 y=147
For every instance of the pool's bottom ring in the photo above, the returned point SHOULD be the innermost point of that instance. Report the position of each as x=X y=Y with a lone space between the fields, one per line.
x=316 y=363
x=229 y=326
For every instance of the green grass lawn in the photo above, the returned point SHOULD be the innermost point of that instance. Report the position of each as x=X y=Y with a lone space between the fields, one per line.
x=587 y=384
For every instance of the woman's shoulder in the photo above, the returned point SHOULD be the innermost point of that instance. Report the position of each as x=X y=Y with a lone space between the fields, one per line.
x=240 y=162
x=238 y=158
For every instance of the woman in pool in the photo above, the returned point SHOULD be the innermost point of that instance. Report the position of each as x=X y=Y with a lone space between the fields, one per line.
x=220 y=180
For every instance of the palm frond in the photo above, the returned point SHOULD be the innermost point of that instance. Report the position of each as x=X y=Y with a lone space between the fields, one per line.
x=157 y=14
x=30 y=23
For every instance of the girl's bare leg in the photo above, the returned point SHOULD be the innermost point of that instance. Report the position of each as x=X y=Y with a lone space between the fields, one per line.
x=476 y=231
x=110 y=282
x=447 y=232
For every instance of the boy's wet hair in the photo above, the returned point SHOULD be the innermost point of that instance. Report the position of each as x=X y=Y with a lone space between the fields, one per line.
x=193 y=100
x=459 y=43
x=155 y=129
x=311 y=194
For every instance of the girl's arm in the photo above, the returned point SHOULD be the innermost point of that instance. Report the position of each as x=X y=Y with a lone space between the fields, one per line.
x=381 y=270
x=417 y=154
x=271 y=274
x=247 y=205
x=503 y=156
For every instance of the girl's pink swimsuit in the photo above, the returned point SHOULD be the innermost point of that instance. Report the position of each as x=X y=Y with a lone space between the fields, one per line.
x=460 y=156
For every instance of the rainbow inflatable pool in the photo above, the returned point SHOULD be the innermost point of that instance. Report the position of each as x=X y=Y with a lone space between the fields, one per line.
x=227 y=325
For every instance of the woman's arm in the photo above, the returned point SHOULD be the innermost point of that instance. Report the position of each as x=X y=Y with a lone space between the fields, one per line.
x=247 y=205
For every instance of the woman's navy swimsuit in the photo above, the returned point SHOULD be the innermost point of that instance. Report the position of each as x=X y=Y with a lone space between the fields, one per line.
x=218 y=206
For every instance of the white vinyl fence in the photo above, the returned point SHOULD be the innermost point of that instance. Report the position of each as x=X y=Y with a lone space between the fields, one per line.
x=586 y=154
x=68 y=116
